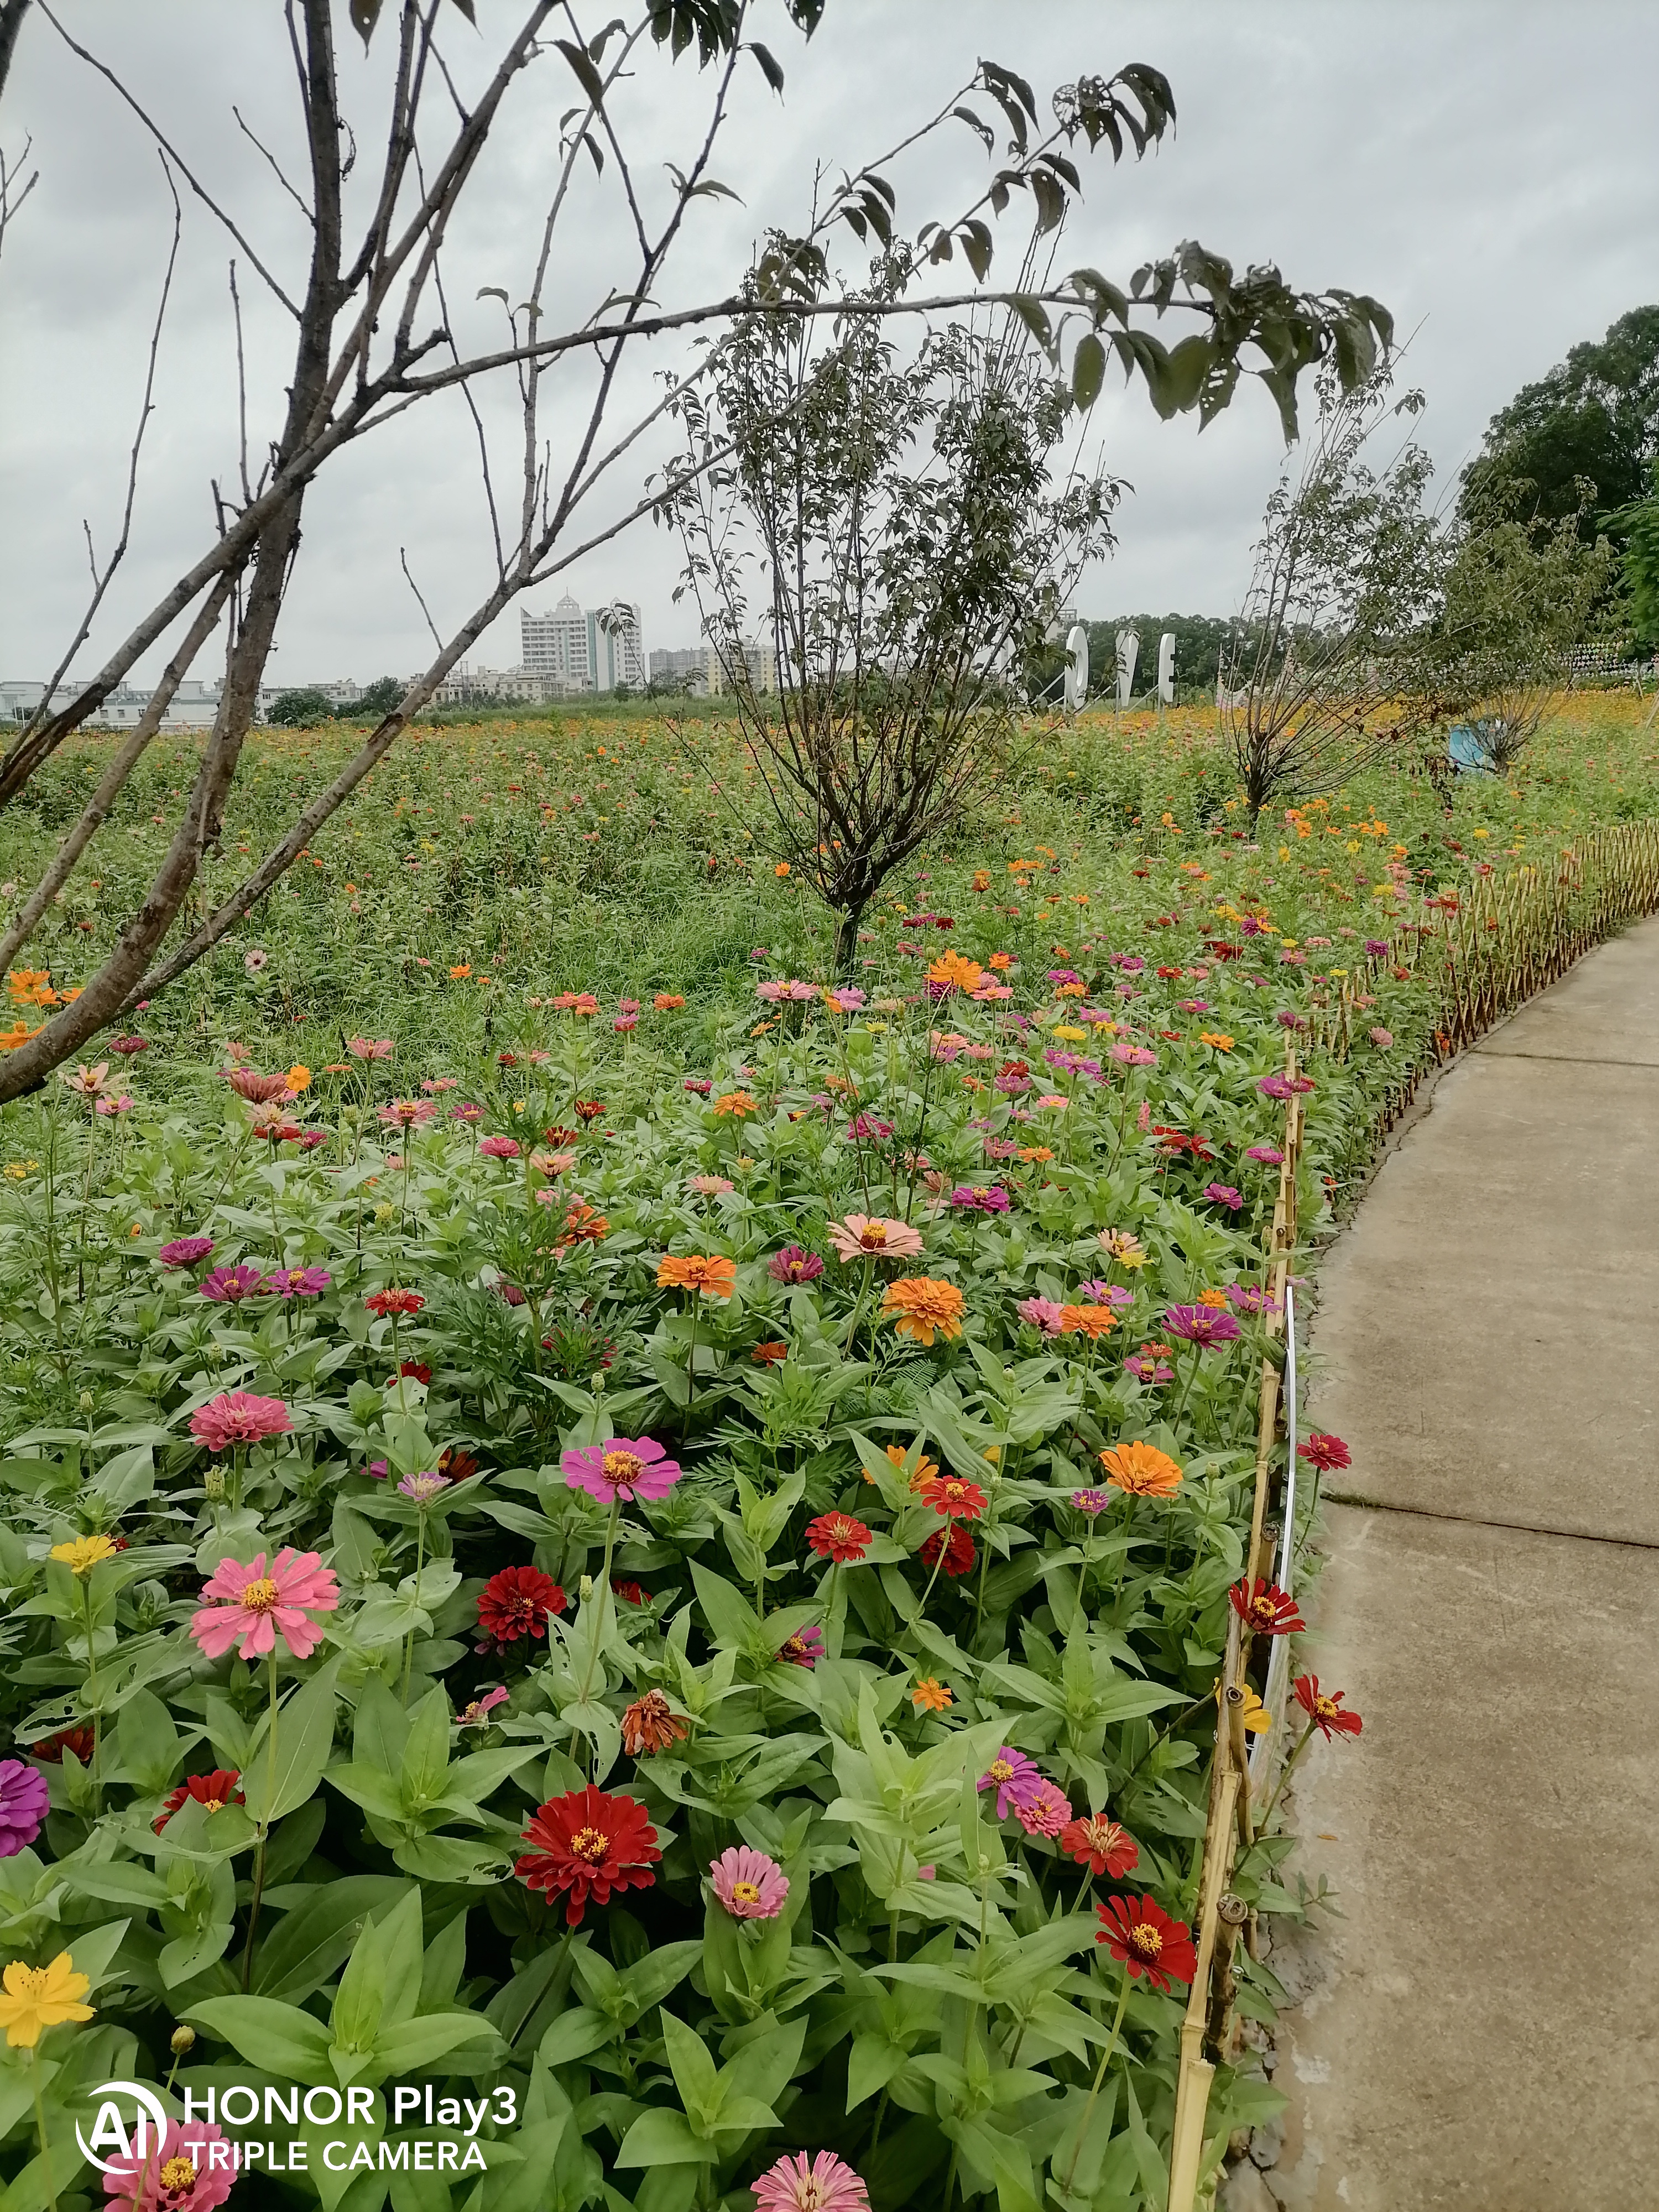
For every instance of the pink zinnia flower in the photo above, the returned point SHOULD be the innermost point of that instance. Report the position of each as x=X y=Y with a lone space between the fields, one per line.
x=253 y=1605
x=750 y=1886
x=477 y=1715
x=794 y=1265
x=237 y=1416
x=174 y=2175
x=625 y=1468
x=1041 y=1313
x=228 y=1286
x=871 y=1237
x=186 y=1251
x=1013 y=1777
x=804 y=1649
x=499 y=1148
x=828 y=2184
x=369 y=1048
x=1045 y=1812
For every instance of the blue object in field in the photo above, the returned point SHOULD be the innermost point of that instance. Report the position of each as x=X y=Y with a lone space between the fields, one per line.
x=1465 y=749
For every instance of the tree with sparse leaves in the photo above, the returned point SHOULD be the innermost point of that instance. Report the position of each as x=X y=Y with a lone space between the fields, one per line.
x=375 y=334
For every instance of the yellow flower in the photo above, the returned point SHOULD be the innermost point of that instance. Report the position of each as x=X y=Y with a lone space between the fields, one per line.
x=298 y=1079
x=1071 y=1036
x=19 y=1170
x=83 y=1552
x=41 y=1997
x=1218 y=1038
x=1257 y=1718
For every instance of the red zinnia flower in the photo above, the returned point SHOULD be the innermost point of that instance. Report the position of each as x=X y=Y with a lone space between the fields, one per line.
x=1324 y=1708
x=394 y=1301
x=1109 y=1848
x=1265 y=1609
x=515 y=1603
x=587 y=1844
x=214 y=1791
x=1142 y=1937
x=589 y=1109
x=839 y=1537
x=1325 y=1452
x=631 y=1591
x=957 y=1546
x=81 y=1741
x=948 y=1494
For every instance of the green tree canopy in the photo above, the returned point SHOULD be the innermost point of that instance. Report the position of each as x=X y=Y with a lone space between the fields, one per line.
x=1594 y=417
x=298 y=710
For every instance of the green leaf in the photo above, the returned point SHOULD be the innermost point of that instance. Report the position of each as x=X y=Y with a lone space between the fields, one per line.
x=770 y=69
x=664 y=2138
x=317 y=1934
x=149 y=1742
x=695 y=2074
x=415 y=2043
x=1088 y=370
x=586 y=76
x=304 y=1737
x=279 y=2038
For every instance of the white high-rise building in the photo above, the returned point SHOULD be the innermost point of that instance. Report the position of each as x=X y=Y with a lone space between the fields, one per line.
x=615 y=646
x=555 y=645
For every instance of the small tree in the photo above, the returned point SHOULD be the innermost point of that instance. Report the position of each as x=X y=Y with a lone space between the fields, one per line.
x=891 y=529
x=1328 y=665
x=380 y=698
x=1519 y=594
x=298 y=710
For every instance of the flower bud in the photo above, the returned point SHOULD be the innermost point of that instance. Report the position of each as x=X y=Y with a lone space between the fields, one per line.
x=87 y=1401
x=585 y=1589
x=214 y=1483
x=184 y=2041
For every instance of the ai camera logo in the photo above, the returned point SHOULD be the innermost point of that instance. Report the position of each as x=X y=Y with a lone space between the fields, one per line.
x=110 y=2131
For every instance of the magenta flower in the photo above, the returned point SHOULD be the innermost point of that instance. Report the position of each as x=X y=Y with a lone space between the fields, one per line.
x=1376 y=948
x=297 y=1282
x=425 y=1486
x=845 y=998
x=621 y=1471
x=1269 y=1155
x=499 y=1148
x=477 y=1715
x=1200 y=1325
x=750 y=1886
x=974 y=1198
x=794 y=1265
x=186 y=1251
x=1147 y=1367
x=237 y=1416
x=24 y=1798
x=1276 y=1087
x=467 y=1112
x=1247 y=1298
x=1045 y=1812
x=828 y=2184
x=1091 y=1501
x=253 y=1606
x=1382 y=1039
x=1132 y=1055
x=804 y=1649
x=228 y=1286
x=1013 y=1777
x=1099 y=1293
x=1222 y=1194
x=698 y=1084
x=1040 y=1313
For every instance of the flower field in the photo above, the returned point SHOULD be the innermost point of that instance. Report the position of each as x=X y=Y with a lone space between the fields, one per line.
x=607 y=1524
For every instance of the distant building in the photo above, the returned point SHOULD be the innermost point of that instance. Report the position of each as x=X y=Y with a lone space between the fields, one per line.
x=574 y=650
x=615 y=646
x=709 y=669
x=194 y=705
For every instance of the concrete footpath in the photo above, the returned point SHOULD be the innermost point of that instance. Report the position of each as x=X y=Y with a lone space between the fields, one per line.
x=1480 y=2027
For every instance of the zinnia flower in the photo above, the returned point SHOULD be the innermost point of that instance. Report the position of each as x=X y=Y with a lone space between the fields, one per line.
x=772 y=1353
x=500 y=1148
x=1324 y=1452
x=1269 y=1155
x=588 y=1844
x=423 y=1485
x=1222 y=1194
x=1200 y=1325
x=975 y=1198
x=1040 y=1313
x=1324 y=1708
x=38 y=1997
x=712 y=1275
x=515 y=1603
x=185 y=1251
x=793 y=1265
x=1092 y=1502
x=1093 y=1321
x=921 y=1307
x=1143 y=1938
x=930 y=1696
x=952 y=1497
x=1012 y=1776
x=214 y=1791
x=1045 y=1812
x=369 y=1048
x=651 y=1724
x=1265 y=1609
x=827 y=2185
x=750 y=1886
x=804 y=1649
x=477 y=1714
x=392 y=1301
x=24 y=1798
x=82 y=1553
x=174 y=2175
x=228 y=1286
x=625 y=1468
x=251 y=1605
x=839 y=1537
x=80 y=1741
x=871 y=1237
x=1126 y=1250
x=237 y=1416
x=1141 y=1470
x=1109 y=1849
x=297 y=1282
x=956 y=1544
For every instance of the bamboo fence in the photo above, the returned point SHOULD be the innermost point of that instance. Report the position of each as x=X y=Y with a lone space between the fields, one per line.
x=1505 y=938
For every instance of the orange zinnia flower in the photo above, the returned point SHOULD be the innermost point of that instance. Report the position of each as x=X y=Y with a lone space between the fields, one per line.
x=583 y=1226
x=929 y=1695
x=1216 y=1298
x=1091 y=1321
x=667 y=1002
x=922 y=1307
x=733 y=1105
x=712 y=1274
x=956 y=973
x=1141 y=1470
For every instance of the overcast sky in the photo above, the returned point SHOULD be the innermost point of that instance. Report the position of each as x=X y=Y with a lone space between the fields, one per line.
x=1489 y=171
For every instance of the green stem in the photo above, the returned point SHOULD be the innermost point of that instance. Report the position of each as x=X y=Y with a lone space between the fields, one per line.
x=605 y=1584
x=92 y=1678
x=419 y=1562
x=1285 y=1772
x=40 y=2124
x=1100 y=2077
x=264 y=1825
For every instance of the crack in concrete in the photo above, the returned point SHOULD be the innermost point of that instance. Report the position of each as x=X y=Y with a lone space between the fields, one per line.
x=1481 y=1521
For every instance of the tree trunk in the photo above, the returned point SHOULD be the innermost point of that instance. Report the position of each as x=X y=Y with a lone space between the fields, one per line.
x=846 y=940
